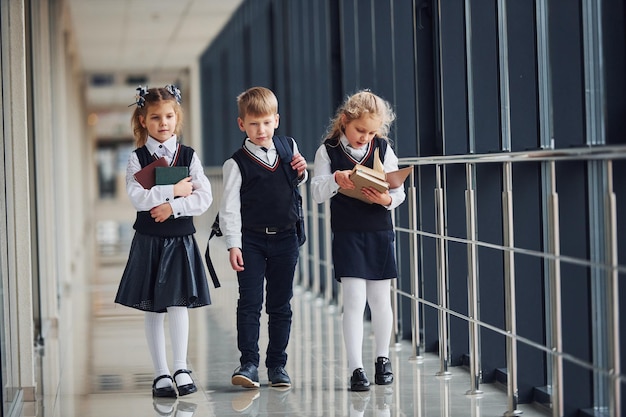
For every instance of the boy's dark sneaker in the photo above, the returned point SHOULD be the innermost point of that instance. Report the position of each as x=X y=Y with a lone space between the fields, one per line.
x=359 y=381
x=278 y=377
x=247 y=376
x=383 y=375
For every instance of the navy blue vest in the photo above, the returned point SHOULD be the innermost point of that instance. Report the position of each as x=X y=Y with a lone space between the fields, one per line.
x=181 y=226
x=351 y=214
x=266 y=193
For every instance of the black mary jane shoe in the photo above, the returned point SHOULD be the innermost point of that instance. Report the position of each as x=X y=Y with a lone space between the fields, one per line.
x=165 y=392
x=359 y=381
x=187 y=388
x=383 y=375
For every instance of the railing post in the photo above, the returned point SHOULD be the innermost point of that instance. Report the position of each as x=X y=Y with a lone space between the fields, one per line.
x=442 y=282
x=315 y=286
x=309 y=249
x=615 y=395
x=472 y=280
x=414 y=264
x=509 y=290
x=554 y=296
x=328 y=255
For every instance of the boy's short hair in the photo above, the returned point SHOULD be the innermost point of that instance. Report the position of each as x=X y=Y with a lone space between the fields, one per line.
x=257 y=101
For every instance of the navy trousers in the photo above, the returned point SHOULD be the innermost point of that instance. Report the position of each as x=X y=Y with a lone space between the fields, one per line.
x=269 y=259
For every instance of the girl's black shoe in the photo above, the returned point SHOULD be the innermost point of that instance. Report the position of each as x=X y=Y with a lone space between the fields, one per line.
x=187 y=388
x=359 y=381
x=383 y=375
x=169 y=392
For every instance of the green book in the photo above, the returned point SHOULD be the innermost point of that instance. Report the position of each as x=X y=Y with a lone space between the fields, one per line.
x=170 y=175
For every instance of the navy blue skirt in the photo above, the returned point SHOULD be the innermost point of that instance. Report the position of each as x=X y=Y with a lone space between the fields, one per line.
x=163 y=272
x=367 y=255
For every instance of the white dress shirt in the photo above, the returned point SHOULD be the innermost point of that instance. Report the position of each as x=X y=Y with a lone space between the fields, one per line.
x=323 y=185
x=144 y=200
x=230 y=209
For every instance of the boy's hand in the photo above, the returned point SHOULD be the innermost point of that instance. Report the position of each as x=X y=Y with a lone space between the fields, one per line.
x=299 y=164
x=236 y=259
x=161 y=212
x=183 y=188
x=342 y=178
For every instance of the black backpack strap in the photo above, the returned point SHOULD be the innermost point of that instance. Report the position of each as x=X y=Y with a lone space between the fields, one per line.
x=215 y=231
x=284 y=148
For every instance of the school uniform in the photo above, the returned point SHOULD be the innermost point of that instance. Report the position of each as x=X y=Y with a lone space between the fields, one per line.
x=258 y=215
x=165 y=267
x=363 y=236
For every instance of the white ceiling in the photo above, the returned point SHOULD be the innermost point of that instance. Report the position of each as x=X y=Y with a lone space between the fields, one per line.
x=159 y=39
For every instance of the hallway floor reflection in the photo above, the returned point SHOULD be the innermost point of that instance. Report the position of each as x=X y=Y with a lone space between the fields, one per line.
x=119 y=375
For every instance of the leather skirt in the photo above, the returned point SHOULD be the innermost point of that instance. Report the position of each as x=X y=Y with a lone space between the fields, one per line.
x=163 y=272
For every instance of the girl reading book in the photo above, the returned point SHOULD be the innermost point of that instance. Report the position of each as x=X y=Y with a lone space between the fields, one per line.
x=363 y=237
x=165 y=272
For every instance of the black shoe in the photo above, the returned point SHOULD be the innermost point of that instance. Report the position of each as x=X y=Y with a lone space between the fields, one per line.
x=359 y=381
x=247 y=376
x=168 y=392
x=278 y=377
x=187 y=388
x=383 y=375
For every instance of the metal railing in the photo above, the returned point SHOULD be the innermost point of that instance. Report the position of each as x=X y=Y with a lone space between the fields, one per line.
x=603 y=264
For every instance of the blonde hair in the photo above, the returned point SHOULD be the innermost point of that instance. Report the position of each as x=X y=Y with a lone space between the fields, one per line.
x=257 y=101
x=154 y=96
x=356 y=106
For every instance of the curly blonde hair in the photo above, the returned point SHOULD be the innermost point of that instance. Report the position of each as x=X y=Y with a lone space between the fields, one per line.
x=154 y=96
x=356 y=106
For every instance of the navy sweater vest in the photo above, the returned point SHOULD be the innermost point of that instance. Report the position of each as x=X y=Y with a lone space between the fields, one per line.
x=351 y=214
x=266 y=194
x=172 y=227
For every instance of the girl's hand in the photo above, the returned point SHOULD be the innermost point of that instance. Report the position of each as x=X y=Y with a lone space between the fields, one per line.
x=299 y=164
x=236 y=259
x=161 y=212
x=342 y=178
x=375 y=196
x=183 y=188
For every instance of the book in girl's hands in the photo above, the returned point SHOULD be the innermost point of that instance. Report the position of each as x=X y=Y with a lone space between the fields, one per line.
x=376 y=177
x=170 y=175
x=146 y=176
x=397 y=178
x=363 y=176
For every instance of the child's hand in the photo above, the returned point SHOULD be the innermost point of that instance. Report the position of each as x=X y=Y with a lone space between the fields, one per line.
x=183 y=188
x=342 y=178
x=299 y=164
x=161 y=212
x=375 y=196
x=236 y=259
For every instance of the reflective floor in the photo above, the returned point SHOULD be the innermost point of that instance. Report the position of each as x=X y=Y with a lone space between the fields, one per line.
x=107 y=371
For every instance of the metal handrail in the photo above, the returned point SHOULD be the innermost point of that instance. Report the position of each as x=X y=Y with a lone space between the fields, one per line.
x=546 y=159
x=543 y=155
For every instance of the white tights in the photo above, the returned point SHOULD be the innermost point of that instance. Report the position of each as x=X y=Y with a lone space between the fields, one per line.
x=356 y=292
x=179 y=332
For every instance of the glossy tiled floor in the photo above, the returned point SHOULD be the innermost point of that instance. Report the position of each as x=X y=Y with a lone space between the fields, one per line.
x=117 y=375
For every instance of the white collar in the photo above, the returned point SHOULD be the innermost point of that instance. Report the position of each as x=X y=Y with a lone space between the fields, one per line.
x=253 y=146
x=154 y=145
x=360 y=152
